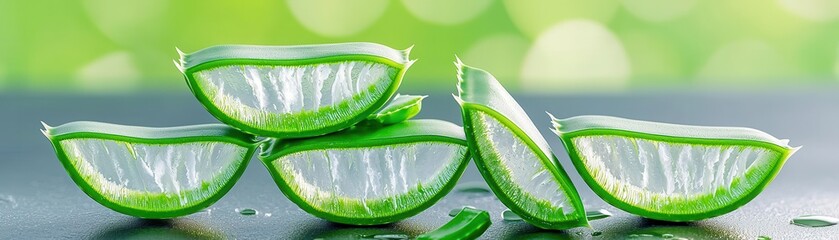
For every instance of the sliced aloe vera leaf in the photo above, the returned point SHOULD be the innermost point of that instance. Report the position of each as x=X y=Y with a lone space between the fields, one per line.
x=400 y=108
x=370 y=175
x=294 y=91
x=671 y=172
x=513 y=157
x=469 y=223
x=152 y=172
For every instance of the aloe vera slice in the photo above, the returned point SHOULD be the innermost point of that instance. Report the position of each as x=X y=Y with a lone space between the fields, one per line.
x=671 y=172
x=294 y=91
x=400 y=108
x=513 y=157
x=370 y=174
x=469 y=223
x=152 y=172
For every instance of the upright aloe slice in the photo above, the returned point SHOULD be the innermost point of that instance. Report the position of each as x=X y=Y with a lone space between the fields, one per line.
x=152 y=172
x=512 y=155
x=294 y=91
x=370 y=174
x=668 y=171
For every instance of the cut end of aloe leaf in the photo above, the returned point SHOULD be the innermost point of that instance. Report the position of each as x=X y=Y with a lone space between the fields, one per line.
x=295 y=91
x=512 y=155
x=152 y=172
x=400 y=108
x=672 y=172
x=370 y=175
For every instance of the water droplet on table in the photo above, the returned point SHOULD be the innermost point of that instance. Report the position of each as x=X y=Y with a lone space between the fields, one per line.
x=814 y=221
x=268 y=214
x=599 y=214
x=386 y=236
x=474 y=187
x=508 y=215
x=8 y=200
x=764 y=238
x=247 y=211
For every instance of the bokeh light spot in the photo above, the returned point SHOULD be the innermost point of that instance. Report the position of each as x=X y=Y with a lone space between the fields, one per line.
x=337 y=18
x=654 y=59
x=501 y=55
x=814 y=10
x=836 y=66
x=446 y=12
x=658 y=10
x=576 y=55
x=113 y=72
x=745 y=62
x=128 y=22
x=534 y=16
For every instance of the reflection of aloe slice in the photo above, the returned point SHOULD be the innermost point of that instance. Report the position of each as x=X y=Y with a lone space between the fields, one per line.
x=400 y=108
x=370 y=174
x=152 y=172
x=294 y=91
x=469 y=223
x=512 y=155
x=671 y=172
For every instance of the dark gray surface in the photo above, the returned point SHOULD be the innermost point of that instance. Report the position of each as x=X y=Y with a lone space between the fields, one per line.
x=46 y=203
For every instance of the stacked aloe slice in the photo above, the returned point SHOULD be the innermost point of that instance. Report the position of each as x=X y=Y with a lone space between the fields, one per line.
x=317 y=111
x=341 y=146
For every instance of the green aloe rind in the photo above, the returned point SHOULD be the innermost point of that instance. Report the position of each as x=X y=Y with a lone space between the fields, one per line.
x=77 y=143
x=281 y=91
x=734 y=165
x=489 y=111
x=312 y=171
x=469 y=223
x=400 y=108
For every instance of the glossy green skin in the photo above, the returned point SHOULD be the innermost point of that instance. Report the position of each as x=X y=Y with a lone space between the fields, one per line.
x=559 y=173
x=411 y=131
x=230 y=55
x=400 y=108
x=469 y=223
x=758 y=139
x=174 y=135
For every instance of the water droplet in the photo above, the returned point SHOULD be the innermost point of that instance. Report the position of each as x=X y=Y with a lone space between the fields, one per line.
x=814 y=221
x=667 y=235
x=268 y=214
x=764 y=238
x=209 y=211
x=599 y=214
x=247 y=211
x=8 y=200
x=595 y=234
x=508 y=215
x=455 y=211
x=473 y=187
x=386 y=236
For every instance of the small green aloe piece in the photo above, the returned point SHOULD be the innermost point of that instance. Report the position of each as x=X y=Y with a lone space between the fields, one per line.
x=294 y=91
x=469 y=223
x=369 y=174
x=513 y=157
x=671 y=172
x=400 y=108
x=152 y=172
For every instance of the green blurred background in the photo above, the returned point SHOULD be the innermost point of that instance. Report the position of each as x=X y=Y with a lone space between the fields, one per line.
x=104 y=46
